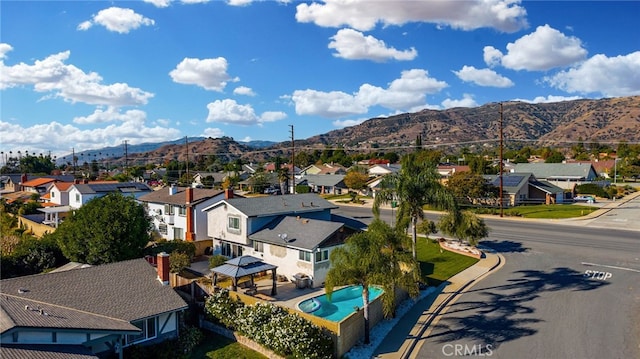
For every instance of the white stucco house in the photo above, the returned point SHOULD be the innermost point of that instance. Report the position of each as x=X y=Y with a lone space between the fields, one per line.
x=177 y=212
x=81 y=193
x=296 y=233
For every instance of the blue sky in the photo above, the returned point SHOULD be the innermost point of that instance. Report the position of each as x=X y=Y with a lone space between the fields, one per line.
x=91 y=74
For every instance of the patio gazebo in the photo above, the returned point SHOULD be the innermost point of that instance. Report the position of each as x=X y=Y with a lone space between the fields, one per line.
x=244 y=266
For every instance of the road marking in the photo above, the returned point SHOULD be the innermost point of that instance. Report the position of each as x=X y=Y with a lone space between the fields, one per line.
x=607 y=266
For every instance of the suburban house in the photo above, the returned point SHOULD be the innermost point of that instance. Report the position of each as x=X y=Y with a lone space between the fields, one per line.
x=383 y=169
x=563 y=175
x=524 y=188
x=448 y=170
x=323 y=183
x=88 y=312
x=177 y=213
x=604 y=168
x=324 y=169
x=15 y=182
x=295 y=232
x=81 y=193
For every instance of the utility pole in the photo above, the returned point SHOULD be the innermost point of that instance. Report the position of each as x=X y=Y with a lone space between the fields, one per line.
x=126 y=158
x=73 y=159
x=293 y=165
x=186 y=143
x=501 y=164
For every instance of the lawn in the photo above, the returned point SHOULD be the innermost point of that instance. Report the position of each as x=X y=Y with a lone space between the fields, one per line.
x=552 y=211
x=214 y=346
x=437 y=266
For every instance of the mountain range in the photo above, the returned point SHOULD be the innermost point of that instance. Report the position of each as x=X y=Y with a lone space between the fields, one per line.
x=605 y=121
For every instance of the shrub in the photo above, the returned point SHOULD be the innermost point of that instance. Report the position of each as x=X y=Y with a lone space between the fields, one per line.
x=178 y=261
x=271 y=326
x=217 y=260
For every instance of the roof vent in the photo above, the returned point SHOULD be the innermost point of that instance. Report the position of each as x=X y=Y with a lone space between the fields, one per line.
x=22 y=290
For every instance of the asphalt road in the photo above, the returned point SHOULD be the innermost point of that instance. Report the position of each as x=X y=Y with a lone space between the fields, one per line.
x=568 y=289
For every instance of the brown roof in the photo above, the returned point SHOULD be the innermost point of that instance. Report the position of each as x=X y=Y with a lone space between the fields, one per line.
x=38 y=182
x=180 y=197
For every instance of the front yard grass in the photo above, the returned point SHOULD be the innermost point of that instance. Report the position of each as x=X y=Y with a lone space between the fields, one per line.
x=215 y=346
x=551 y=211
x=437 y=266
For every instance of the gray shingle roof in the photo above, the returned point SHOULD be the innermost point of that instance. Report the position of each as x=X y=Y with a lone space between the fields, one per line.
x=179 y=198
x=111 y=294
x=243 y=266
x=36 y=351
x=324 y=180
x=280 y=205
x=301 y=233
x=556 y=170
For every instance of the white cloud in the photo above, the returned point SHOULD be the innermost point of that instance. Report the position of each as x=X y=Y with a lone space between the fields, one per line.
x=117 y=19
x=353 y=45
x=109 y=115
x=70 y=83
x=466 y=101
x=243 y=90
x=239 y=2
x=482 y=77
x=39 y=138
x=246 y=139
x=609 y=76
x=213 y=132
x=326 y=104
x=492 y=56
x=544 y=49
x=551 y=99
x=210 y=74
x=407 y=92
x=4 y=48
x=159 y=3
x=348 y=123
x=228 y=111
x=363 y=15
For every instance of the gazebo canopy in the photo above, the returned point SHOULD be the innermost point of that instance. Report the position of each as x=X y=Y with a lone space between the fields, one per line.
x=244 y=266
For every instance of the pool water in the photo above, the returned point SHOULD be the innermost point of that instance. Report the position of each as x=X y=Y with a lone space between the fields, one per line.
x=343 y=303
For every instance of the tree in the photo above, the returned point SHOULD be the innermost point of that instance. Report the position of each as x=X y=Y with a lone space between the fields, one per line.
x=356 y=180
x=416 y=184
x=105 y=230
x=467 y=226
x=471 y=186
x=377 y=256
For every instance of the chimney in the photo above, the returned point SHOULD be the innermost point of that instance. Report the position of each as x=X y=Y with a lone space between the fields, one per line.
x=228 y=193
x=172 y=190
x=23 y=178
x=76 y=181
x=190 y=235
x=163 y=268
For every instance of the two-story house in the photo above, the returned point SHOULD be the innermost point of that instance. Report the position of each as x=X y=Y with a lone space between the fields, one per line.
x=177 y=213
x=296 y=233
x=88 y=312
x=81 y=193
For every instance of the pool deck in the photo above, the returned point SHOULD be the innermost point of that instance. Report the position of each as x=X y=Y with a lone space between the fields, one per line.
x=288 y=294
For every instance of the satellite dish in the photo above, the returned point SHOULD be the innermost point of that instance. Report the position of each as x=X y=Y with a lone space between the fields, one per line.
x=283 y=236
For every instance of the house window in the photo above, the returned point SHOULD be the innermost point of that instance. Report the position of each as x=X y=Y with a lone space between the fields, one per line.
x=322 y=256
x=182 y=211
x=162 y=228
x=178 y=233
x=304 y=256
x=53 y=195
x=148 y=331
x=168 y=209
x=77 y=197
x=258 y=246
x=234 y=224
x=231 y=250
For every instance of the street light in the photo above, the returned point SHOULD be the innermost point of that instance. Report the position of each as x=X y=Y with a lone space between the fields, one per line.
x=615 y=170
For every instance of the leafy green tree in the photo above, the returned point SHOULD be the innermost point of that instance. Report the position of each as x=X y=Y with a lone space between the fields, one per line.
x=178 y=261
x=466 y=227
x=31 y=256
x=471 y=186
x=105 y=230
x=416 y=184
x=356 y=180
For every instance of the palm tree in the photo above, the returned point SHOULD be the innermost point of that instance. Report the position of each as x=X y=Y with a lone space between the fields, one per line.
x=415 y=185
x=377 y=256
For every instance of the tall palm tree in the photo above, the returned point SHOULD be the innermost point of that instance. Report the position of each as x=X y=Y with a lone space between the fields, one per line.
x=415 y=185
x=374 y=257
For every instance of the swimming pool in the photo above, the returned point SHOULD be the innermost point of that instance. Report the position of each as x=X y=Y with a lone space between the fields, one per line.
x=343 y=302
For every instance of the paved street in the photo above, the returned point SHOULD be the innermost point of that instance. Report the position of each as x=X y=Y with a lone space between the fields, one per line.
x=568 y=289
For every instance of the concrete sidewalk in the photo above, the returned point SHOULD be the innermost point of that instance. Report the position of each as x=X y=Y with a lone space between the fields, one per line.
x=406 y=338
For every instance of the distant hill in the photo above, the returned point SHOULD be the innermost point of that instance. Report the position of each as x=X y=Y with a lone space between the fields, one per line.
x=560 y=123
